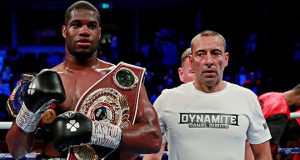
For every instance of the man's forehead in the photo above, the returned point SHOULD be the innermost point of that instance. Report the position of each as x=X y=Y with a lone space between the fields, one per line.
x=209 y=41
x=83 y=12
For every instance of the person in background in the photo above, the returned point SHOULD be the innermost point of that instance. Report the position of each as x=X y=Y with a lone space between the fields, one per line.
x=277 y=107
x=185 y=71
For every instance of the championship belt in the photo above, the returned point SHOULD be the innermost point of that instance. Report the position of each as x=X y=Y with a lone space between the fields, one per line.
x=15 y=100
x=113 y=99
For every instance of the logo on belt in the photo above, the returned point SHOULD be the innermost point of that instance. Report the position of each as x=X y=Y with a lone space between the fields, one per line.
x=107 y=104
x=125 y=78
x=104 y=104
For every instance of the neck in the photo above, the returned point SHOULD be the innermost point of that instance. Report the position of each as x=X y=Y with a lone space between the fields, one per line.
x=75 y=64
x=210 y=89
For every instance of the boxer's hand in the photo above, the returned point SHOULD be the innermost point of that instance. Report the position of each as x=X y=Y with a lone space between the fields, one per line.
x=71 y=128
x=74 y=128
x=34 y=96
x=46 y=86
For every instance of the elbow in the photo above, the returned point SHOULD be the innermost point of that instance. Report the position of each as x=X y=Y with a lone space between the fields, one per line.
x=9 y=143
x=18 y=155
x=157 y=146
x=14 y=146
x=14 y=151
x=156 y=142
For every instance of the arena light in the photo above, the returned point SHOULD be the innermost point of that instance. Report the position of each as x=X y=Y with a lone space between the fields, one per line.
x=105 y=5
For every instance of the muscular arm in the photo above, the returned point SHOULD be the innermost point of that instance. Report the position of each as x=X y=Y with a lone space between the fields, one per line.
x=145 y=135
x=262 y=151
x=19 y=143
x=248 y=152
x=46 y=88
x=156 y=156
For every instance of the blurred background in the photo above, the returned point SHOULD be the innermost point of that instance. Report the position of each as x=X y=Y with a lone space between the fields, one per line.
x=262 y=38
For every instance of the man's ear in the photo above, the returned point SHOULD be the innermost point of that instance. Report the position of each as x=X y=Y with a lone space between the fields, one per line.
x=226 y=58
x=190 y=59
x=180 y=73
x=100 y=32
x=63 y=31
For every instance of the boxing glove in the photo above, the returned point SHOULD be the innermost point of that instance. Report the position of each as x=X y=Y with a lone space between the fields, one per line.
x=74 y=128
x=34 y=95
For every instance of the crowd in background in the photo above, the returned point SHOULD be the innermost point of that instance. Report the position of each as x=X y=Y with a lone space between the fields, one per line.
x=161 y=58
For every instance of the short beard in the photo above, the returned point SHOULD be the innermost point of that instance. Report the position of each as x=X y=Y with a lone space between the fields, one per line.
x=82 y=55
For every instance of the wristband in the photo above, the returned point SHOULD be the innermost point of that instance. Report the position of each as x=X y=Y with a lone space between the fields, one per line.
x=27 y=120
x=106 y=134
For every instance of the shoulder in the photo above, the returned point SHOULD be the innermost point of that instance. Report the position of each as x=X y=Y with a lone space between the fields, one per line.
x=242 y=91
x=171 y=97
x=271 y=95
x=58 y=68
x=177 y=91
x=104 y=64
x=130 y=65
x=272 y=98
x=137 y=71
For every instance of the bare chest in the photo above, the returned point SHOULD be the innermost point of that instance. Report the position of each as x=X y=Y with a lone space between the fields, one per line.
x=76 y=84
